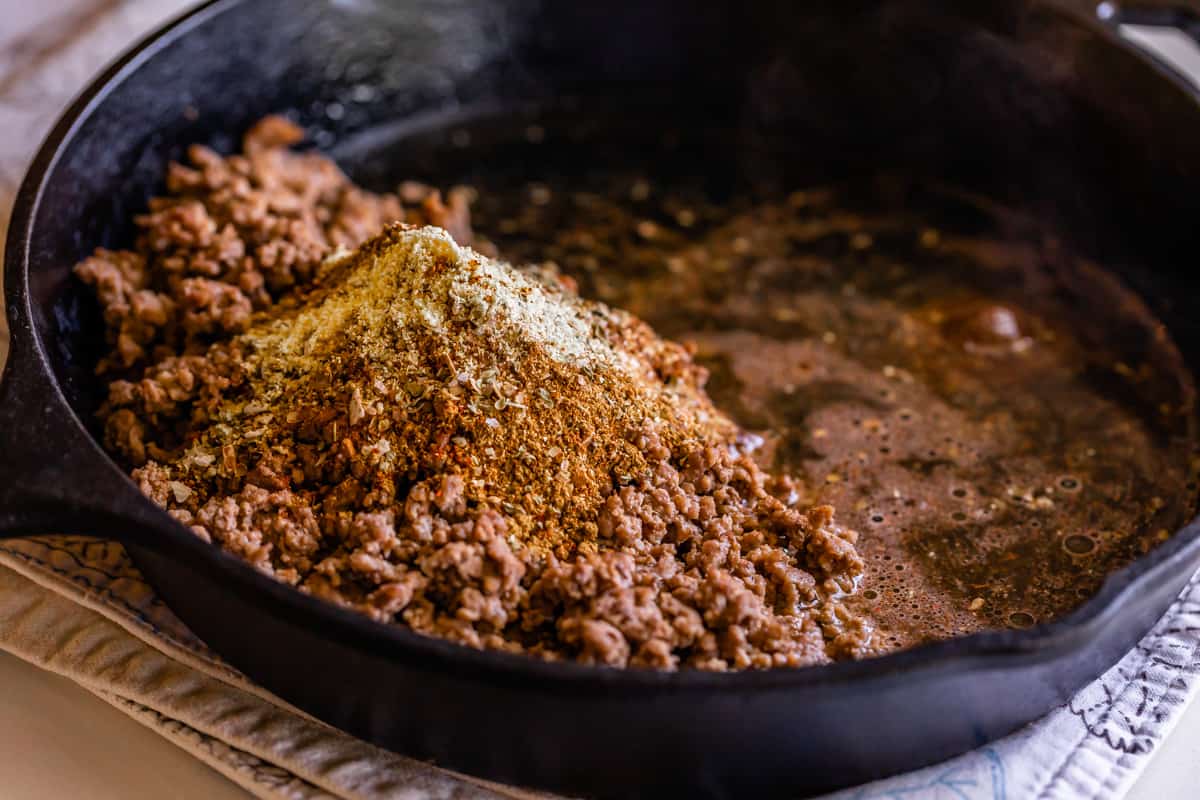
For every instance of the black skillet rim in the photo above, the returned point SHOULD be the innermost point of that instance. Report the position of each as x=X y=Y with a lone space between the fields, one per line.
x=995 y=649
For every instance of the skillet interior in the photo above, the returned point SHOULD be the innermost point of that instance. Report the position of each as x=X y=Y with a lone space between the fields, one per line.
x=1009 y=100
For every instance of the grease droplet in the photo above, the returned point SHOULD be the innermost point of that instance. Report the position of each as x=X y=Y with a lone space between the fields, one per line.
x=1078 y=545
x=1021 y=619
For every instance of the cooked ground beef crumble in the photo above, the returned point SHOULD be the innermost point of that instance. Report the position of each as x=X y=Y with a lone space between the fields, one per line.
x=514 y=499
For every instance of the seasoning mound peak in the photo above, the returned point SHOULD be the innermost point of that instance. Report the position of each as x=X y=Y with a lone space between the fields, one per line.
x=504 y=377
x=413 y=293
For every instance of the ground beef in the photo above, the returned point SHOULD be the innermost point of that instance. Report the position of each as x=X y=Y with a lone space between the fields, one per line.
x=698 y=560
x=695 y=567
x=233 y=234
x=703 y=573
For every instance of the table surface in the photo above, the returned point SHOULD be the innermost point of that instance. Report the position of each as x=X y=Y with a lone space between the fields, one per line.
x=57 y=740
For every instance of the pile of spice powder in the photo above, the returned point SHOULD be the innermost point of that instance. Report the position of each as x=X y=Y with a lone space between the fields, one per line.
x=437 y=439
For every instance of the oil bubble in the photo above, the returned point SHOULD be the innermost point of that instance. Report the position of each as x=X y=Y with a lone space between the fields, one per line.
x=1079 y=545
x=1021 y=619
x=1069 y=483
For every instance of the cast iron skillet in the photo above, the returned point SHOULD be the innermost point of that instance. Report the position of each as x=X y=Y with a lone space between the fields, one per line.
x=1039 y=106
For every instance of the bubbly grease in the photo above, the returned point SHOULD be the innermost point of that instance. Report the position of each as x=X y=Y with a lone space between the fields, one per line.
x=1002 y=422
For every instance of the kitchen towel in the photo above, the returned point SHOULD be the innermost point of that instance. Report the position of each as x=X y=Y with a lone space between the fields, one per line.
x=78 y=607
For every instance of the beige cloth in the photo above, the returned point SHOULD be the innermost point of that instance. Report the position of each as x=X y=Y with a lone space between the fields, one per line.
x=76 y=606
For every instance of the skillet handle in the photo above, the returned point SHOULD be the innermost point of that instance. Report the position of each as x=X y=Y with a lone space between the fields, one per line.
x=53 y=476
